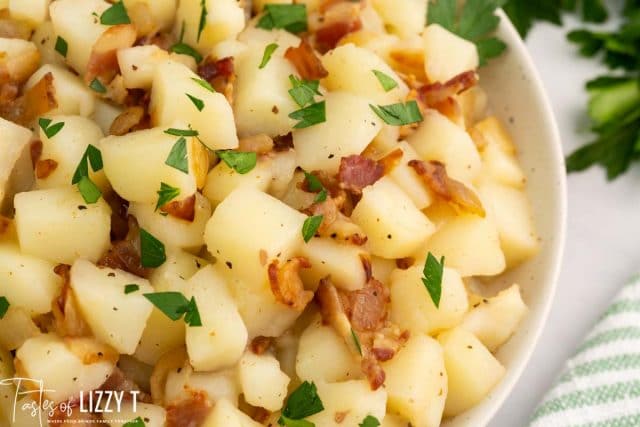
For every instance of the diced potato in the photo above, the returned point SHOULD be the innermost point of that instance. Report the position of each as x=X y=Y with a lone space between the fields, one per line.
x=67 y=148
x=446 y=54
x=179 y=264
x=283 y=168
x=74 y=21
x=372 y=21
x=262 y=382
x=44 y=37
x=71 y=95
x=183 y=382
x=225 y=414
x=470 y=244
x=162 y=11
x=64 y=370
x=259 y=38
x=417 y=394
x=104 y=114
x=392 y=420
x=138 y=65
x=34 y=12
x=70 y=230
x=28 y=282
x=412 y=307
x=502 y=167
x=153 y=415
x=174 y=231
x=224 y=20
x=262 y=103
x=223 y=180
x=472 y=371
x=438 y=138
x=15 y=162
x=403 y=17
x=494 y=320
x=407 y=178
x=393 y=224
x=355 y=399
x=494 y=132
x=228 y=48
x=17 y=327
x=221 y=339
x=115 y=318
x=122 y=156
x=343 y=262
x=19 y=58
x=350 y=126
x=382 y=268
x=323 y=356
x=351 y=70
x=173 y=83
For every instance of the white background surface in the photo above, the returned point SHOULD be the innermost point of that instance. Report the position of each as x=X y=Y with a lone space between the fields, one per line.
x=603 y=242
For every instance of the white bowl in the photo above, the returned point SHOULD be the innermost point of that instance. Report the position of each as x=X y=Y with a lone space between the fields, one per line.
x=517 y=96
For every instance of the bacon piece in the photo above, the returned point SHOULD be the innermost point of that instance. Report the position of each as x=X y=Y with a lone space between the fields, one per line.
x=68 y=320
x=405 y=263
x=435 y=176
x=125 y=254
x=260 y=345
x=357 y=172
x=286 y=284
x=45 y=167
x=434 y=93
x=220 y=74
x=261 y=144
x=340 y=19
x=367 y=307
x=103 y=62
x=283 y=143
x=190 y=412
x=373 y=370
x=306 y=61
x=127 y=121
x=182 y=209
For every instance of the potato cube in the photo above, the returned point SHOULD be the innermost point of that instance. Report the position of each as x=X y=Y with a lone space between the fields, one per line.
x=223 y=180
x=502 y=167
x=263 y=383
x=221 y=340
x=407 y=178
x=115 y=317
x=162 y=11
x=350 y=126
x=15 y=162
x=393 y=224
x=446 y=54
x=258 y=38
x=19 y=58
x=44 y=37
x=17 y=327
x=472 y=371
x=412 y=307
x=403 y=17
x=417 y=394
x=438 y=138
x=345 y=263
x=70 y=230
x=34 y=12
x=225 y=414
x=355 y=399
x=153 y=415
x=72 y=96
x=138 y=65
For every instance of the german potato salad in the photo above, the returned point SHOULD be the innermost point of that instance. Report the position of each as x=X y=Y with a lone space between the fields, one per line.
x=227 y=214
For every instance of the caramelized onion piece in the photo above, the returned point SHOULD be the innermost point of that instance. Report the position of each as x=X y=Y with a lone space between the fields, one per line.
x=35 y=102
x=260 y=345
x=261 y=144
x=182 y=209
x=127 y=121
x=68 y=320
x=45 y=167
x=435 y=93
x=170 y=361
x=125 y=254
x=103 y=62
x=335 y=224
x=306 y=61
x=287 y=285
x=220 y=74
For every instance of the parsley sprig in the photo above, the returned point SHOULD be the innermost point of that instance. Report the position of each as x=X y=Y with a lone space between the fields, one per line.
x=88 y=189
x=174 y=305
x=432 y=278
x=4 y=306
x=302 y=403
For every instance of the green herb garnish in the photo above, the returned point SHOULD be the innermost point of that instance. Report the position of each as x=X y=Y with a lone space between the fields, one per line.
x=115 y=15
x=370 y=421
x=205 y=84
x=131 y=288
x=174 y=305
x=138 y=422
x=241 y=162
x=399 y=114
x=181 y=132
x=203 y=18
x=199 y=103
x=152 y=250
x=310 y=227
x=303 y=91
x=4 y=306
x=178 y=156
x=268 y=52
x=166 y=194
x=97 y=86
x=432 y=278
x=387 y=82
x=302 y=403
x=309 y=116
x=185 y=49
x=356 y=341
x=50 y=130
x=315 y=185
x=291 y=17
x=89 y=191
x=61 y=46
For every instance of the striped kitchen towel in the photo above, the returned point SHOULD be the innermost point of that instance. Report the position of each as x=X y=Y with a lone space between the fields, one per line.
x=600 y=385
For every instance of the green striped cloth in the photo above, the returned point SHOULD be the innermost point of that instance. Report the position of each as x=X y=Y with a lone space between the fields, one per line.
x=600 y=385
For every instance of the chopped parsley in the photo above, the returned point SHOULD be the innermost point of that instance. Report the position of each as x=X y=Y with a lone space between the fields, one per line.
x=152 y=250
x=199 y=103
x=387 y=82
x=178 y=156
x=97 y=86
x=61 y=46
x=315 y=185
x=203 y=18
x=174 y=305
x=181 y=132
x=50 y=130
x=309 y=116
x=356 y=341
x=310 y=227
x=115 y=15
x=291 y=17
x=166 y=194
x=370 y=421
x=302 y=403
x=268 y=52
x=138 y=422
x=303 y=91
x=89 y=191
x=184 y=49
x=205 y=84
x=131 y=288
x=4 y=306
x=432 y=278
x=399 y=114
x=241 y=162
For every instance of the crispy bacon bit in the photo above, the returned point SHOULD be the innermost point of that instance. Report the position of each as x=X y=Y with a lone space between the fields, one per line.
x=367 y=308
x=340 y=19
x=435 y=93
x=283 y=143
x=190 y=412
x=127 y=121
x=125 y=254
x=373 y=370
x=35 y=102
x=45 y=167
x=220 y=74
x=405 y=263
x=103 y=62
x=4 y=224
x=306 y=61
x=286 y=284
x=383 y=354
x=260 y=415
x=68 y=320
x=357 y=172
x=36 y=151
x=368 y=269
x=182 y=209
x=435 y=176
x=260 y=345
x=261 y=144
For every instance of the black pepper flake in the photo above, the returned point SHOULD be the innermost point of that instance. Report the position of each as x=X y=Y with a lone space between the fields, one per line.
x=229 y=264
x=82 y=207
x=111 y=274
x=275 y=109
x=389 y=236
x=470 y=347
x=331 y=156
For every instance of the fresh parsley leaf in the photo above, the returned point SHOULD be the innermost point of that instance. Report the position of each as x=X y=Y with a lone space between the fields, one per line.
x=152 y=250
x=92 y=156
x=268 y=52
x=50 y=130
x=303 y=91
x=61 y=46
x=184 y=49
x=138 y=422
x=178 y=156
x=89 y=191
x=288 y=422
x=399 y=114
x=166 y=194
x=203 y=18
x=310 y=226
x=4 y=306
x=591 y=10
x=311 y=115
x=115 y=15
x=192 y=315
x=291 y=17
x=174 y=305
x=241 y=162
x=131 y=288
x=199 y=103
x=432 y=278
x=181 y=132
x=387 y=82
x=315 y=185
x=356 y=341
x=370 y=421
x=205 y=84
x=475 y=21
x=302 y=403
x=97 y=86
